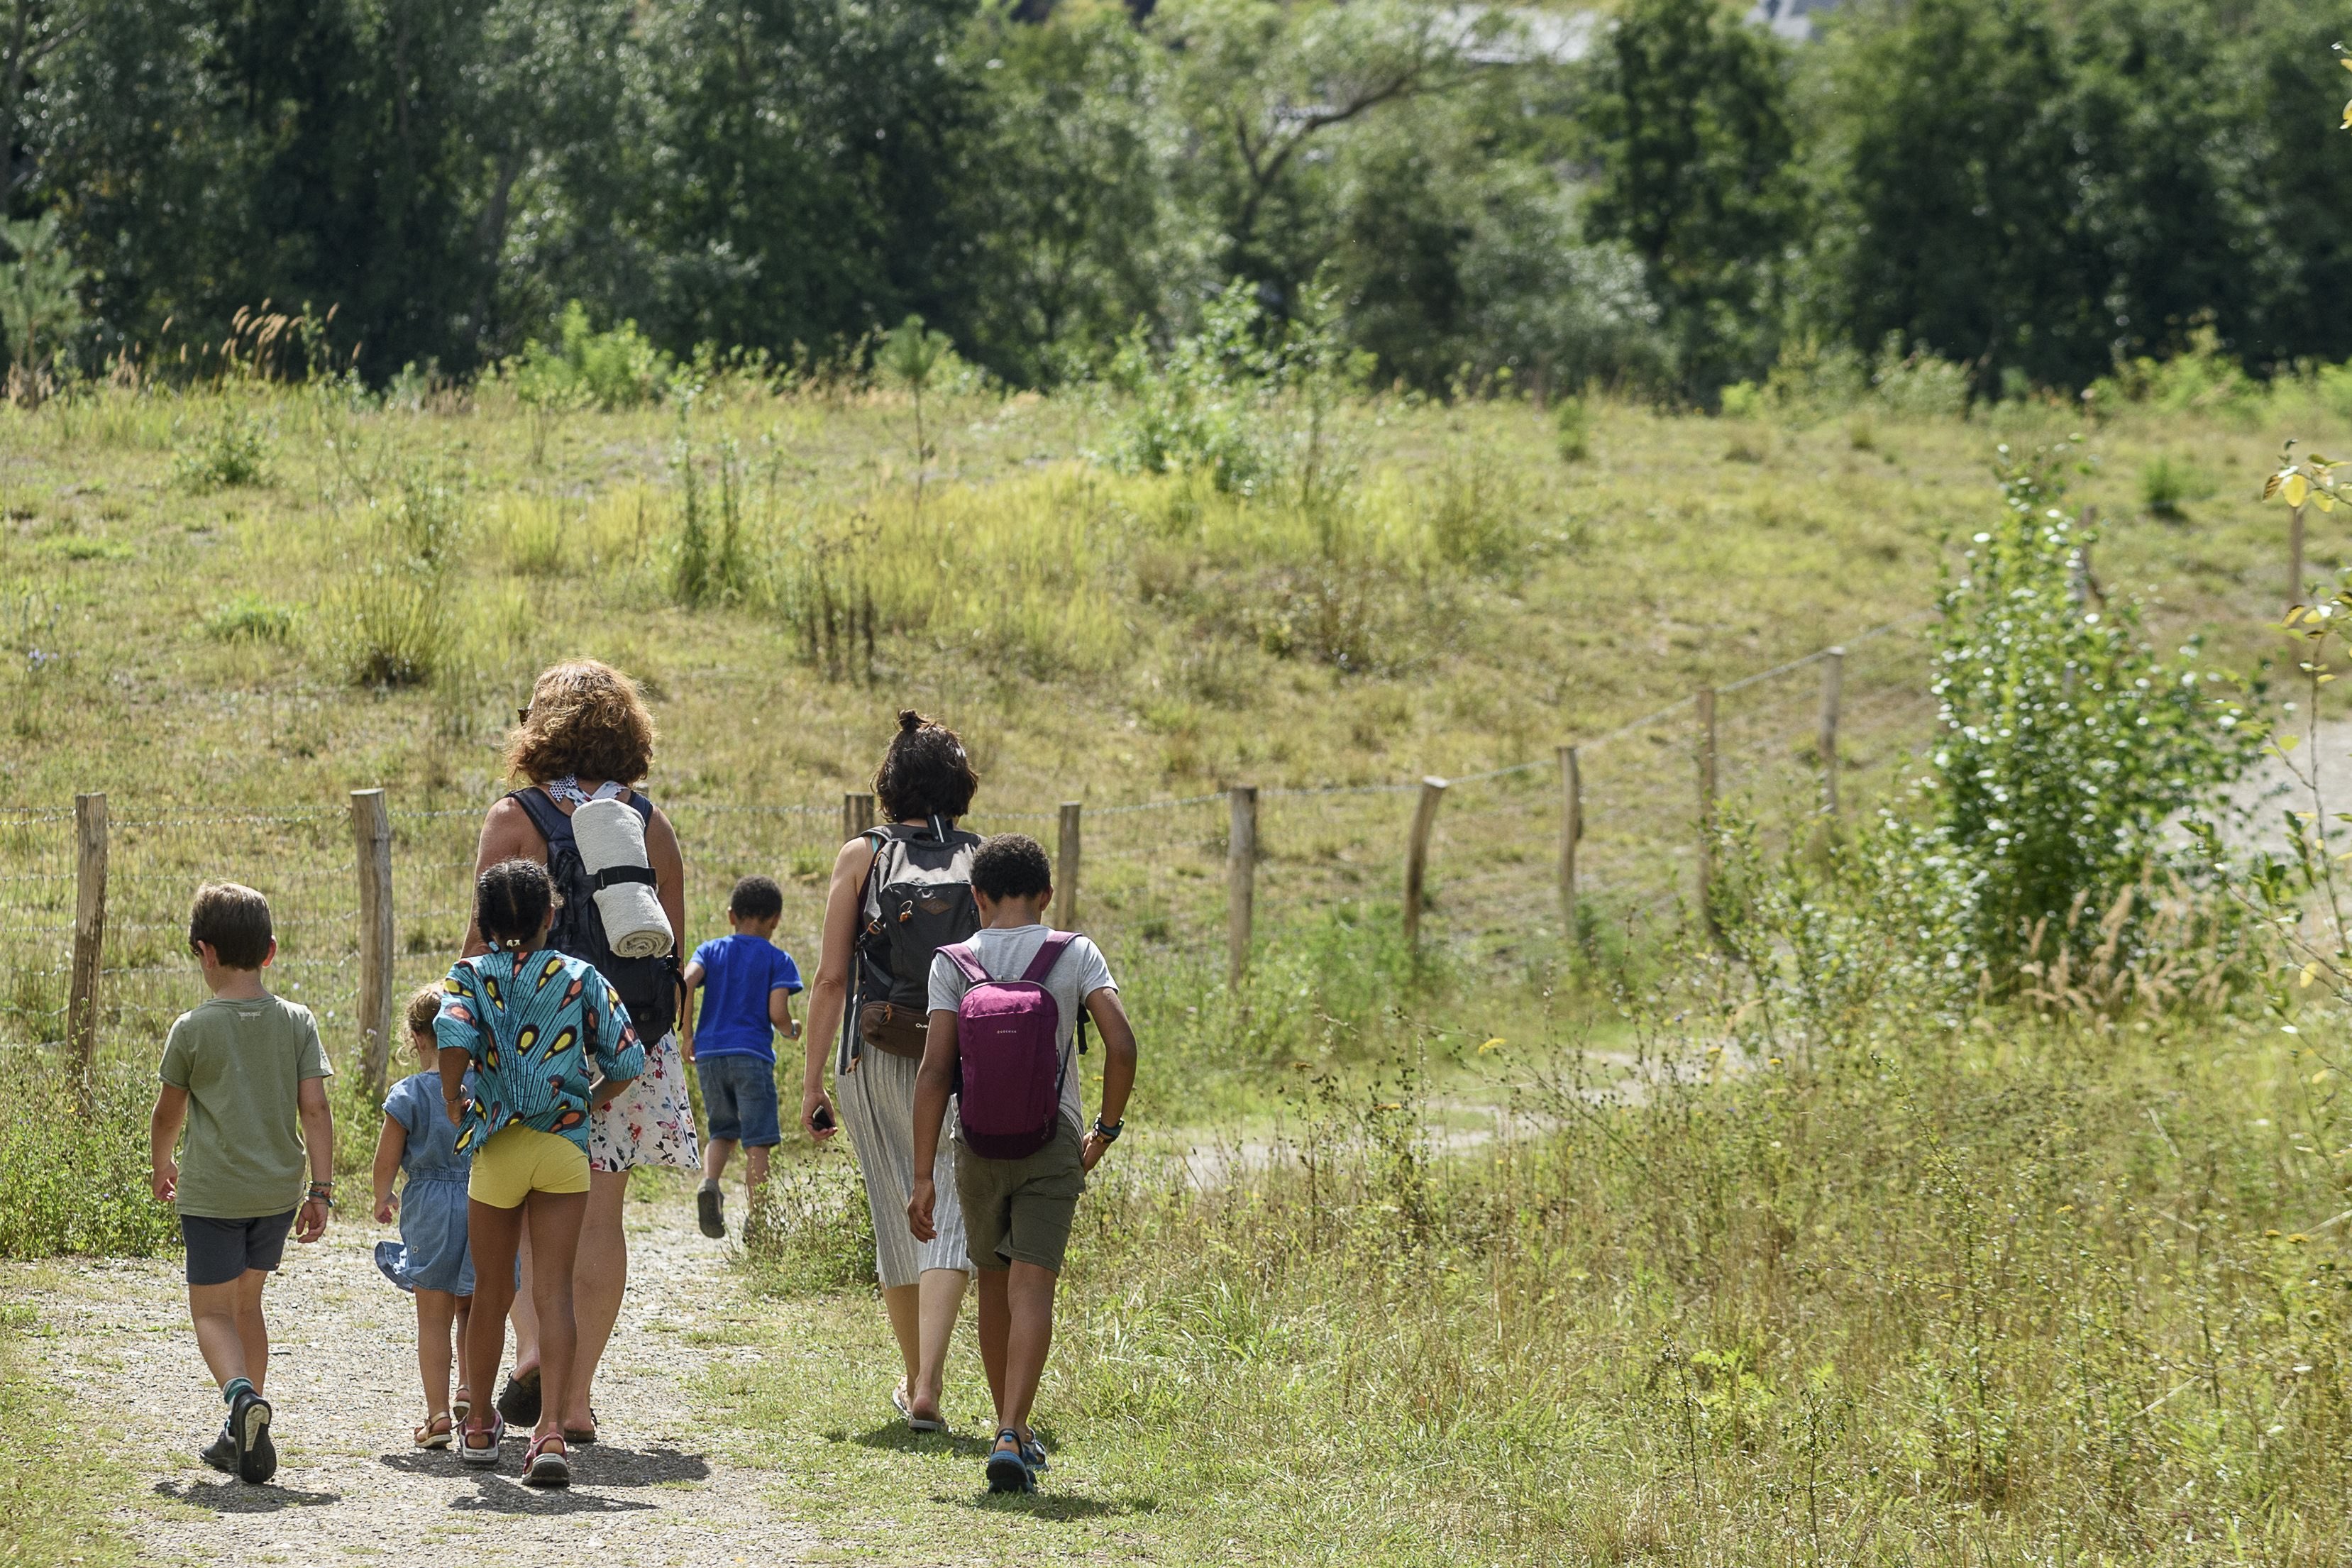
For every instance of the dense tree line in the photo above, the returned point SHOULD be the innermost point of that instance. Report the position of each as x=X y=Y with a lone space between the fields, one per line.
x=2031 y=187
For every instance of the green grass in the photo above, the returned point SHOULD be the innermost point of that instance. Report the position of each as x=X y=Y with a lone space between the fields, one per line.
x=2013 y=1294
x=54 y=1499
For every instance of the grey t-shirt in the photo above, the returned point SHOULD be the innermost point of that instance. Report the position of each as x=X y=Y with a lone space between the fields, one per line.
x=1005 y=952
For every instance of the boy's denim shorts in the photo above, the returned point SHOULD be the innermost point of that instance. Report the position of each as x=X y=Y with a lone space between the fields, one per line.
x=739 y=1095
x=221 y=1250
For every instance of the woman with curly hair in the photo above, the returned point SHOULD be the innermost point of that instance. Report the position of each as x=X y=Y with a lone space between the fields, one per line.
x=900 y=893
x=587 y=735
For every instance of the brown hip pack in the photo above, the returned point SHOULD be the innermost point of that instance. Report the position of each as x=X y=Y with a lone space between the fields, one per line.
x=892 y=1031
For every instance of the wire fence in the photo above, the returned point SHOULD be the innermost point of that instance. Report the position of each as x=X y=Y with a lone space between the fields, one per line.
x=1154 y=881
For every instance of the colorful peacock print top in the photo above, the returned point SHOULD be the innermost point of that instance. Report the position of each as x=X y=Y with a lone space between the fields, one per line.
x=532 y=1022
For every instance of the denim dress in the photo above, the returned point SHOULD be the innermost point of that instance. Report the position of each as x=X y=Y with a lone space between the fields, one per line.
x=431 y=1252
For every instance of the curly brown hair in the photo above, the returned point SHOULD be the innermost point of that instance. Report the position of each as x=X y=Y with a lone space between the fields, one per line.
x=585 y=719
x=925 y=773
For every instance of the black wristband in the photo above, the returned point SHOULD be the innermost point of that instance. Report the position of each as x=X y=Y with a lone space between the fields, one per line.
x=1110 y=1134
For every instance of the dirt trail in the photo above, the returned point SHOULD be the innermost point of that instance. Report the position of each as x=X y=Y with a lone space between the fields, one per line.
x=659 y=1490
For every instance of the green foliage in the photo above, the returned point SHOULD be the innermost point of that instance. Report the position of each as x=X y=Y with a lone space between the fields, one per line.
x=2068 y=742
x=393 y=615
x=40 y=305
x=230 y=452
x=812 y=1231
x=1695 y=143
x=1216 y=402
x=2166 y=484
x=1571 y=426
x=711 y=562
x=589 y=369
x=251 y=618
x=2200 y=379
x=1075 y=234
x=75 y=1181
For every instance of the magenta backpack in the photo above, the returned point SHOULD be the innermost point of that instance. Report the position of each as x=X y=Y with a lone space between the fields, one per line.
x=1008 y=1053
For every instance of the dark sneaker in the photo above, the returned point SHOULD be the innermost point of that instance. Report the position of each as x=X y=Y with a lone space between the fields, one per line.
x=1008 y=1466
x=709 y=1210
x=248 y=1426
x=222 y=1453
x=519 y=1400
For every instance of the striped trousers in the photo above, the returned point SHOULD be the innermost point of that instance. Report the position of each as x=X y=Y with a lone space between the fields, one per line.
x=878 y=1106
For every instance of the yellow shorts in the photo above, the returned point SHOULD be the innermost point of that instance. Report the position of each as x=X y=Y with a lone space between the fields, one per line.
x=518 y=1161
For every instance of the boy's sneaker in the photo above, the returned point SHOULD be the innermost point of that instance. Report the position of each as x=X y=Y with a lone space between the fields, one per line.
x=248 y=1426
x=1008 y=1466
x=709 y=1210
x=221 y=1455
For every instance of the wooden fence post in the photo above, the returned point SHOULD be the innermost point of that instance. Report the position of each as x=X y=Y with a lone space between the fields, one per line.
x=1833 y=690
x=1571 y=828
x=1416 y=858
x=88 y=940
x=1065 y=900
x=2294 y=556
x=857 y=814
x=1706 y=806
x=371 y=854
x=1241 y=882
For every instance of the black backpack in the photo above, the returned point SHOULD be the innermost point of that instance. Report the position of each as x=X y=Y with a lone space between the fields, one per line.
x=918 y=901
x=649 y=987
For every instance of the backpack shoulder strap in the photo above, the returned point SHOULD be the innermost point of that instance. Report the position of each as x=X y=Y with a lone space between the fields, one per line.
x=1055 y=944
x=552 y=825
x=967 y=961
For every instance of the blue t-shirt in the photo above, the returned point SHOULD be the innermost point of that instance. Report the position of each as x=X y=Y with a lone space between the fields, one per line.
x=739 y=973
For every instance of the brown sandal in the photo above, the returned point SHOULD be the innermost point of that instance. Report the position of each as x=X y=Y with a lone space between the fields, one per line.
x=435 y=1433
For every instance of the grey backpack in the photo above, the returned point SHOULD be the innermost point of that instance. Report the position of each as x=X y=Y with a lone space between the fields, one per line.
x=918 y=901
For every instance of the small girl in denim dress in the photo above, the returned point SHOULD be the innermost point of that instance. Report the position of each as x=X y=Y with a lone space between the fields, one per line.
x=430 y=1260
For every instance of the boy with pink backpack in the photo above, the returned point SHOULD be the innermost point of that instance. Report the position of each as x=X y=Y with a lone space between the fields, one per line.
x=1007 y=1021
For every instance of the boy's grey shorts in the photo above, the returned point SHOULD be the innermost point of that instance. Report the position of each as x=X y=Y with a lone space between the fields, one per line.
x=1019 y=1211
x=221 y=1250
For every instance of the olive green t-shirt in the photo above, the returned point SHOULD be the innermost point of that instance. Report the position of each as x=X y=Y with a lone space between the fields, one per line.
x=243 y=1064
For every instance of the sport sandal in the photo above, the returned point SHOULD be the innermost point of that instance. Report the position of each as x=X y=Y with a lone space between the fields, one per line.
x=546 y=1463
x=485 y=1457
x=1008 y=1468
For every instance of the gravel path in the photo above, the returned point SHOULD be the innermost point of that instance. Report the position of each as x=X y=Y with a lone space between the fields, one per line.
x=659 y=1490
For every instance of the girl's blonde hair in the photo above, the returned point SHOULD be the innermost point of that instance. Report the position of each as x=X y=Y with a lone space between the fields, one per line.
x=423 y=1008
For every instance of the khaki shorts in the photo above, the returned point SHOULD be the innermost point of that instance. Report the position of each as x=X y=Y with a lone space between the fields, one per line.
x=1019 y=1211
x=518 y=1161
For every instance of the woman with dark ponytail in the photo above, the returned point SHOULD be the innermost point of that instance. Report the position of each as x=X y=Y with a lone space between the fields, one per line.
x=900 y=893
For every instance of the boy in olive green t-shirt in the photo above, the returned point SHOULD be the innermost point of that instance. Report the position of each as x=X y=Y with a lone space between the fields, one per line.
x=247 y=1074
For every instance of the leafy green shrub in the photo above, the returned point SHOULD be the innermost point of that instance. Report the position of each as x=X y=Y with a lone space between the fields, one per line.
x=588 y=369
x=1919 y=385
x=2200 y=379
x=232 y=453
x=2167 y=483
x=393 y=613
x=2067 y=746
x=249 y=617
x=1571 y=427
x=72 y=1181
x=1245 y=401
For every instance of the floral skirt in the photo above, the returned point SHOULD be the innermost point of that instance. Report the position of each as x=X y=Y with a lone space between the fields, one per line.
x=651 y=1122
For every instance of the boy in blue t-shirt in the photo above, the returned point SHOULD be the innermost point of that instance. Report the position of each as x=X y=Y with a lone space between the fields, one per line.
x=751 y=982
